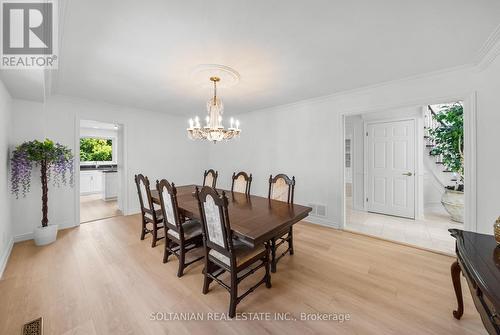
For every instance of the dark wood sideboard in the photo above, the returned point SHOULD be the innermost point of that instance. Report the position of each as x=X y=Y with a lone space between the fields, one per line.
x=478 y=258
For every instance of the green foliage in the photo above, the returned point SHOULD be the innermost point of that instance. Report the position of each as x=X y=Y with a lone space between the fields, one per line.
x=449 y=137
x=46 y=151
x=95 y=149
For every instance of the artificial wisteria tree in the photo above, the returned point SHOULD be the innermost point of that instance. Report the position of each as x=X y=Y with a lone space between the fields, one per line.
x=56 y=164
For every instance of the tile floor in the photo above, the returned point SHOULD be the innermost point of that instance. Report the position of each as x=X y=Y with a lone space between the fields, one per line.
x=429 y=233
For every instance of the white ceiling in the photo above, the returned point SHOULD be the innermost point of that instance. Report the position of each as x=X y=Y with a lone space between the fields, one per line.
x=141 y=53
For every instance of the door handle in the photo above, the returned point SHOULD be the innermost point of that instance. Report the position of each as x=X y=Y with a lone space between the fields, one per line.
x=409 y=174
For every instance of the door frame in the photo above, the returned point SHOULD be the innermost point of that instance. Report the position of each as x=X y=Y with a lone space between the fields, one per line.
x=416 y=171
x=470 y=132
x=122 y=161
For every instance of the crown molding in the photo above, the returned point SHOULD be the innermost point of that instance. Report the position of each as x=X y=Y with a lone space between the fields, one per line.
x=362 y=89
x=489 y=51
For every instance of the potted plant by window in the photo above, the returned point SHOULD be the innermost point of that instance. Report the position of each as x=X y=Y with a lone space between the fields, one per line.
x=448 y=139
x=55 y=162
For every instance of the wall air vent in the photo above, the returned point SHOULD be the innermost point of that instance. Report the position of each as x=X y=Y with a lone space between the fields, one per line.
x=318 y=210
x=313 y=206
x=321 y=210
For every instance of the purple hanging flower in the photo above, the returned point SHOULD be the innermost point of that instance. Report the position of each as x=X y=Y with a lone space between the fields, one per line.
x=56 y=158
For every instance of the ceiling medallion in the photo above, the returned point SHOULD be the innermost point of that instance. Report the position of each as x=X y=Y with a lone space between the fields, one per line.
x=228 y=76
x=213 y=130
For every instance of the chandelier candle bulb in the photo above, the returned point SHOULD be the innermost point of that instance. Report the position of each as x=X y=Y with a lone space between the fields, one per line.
x=191 y=123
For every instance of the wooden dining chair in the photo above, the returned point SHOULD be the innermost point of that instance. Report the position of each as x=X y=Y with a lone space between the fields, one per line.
x=210 y=178
x=223 y=253
x=181 y=235
x=241 y=182
x=281 y=188
x=151 y=214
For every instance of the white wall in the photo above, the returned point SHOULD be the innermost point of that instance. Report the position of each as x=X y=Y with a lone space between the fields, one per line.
x=302 y=139
x=156 y=145
x=6 y=236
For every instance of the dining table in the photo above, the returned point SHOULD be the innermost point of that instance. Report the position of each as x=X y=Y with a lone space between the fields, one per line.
x=253 y=219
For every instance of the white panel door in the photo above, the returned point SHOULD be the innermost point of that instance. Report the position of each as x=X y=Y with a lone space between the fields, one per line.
x=391 y=168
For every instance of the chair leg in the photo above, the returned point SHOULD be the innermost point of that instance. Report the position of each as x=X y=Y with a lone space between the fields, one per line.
x=273 y=255
x=166 y=253
x=155 y=235
x=234 y=294
x=182 y=258
x=143 y=232
x=207 y=280
x=290 y=240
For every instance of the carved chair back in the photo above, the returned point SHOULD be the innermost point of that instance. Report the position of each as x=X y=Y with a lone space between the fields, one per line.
x=144 y=191
x=210 y=178
x=169 y=206
x=281 y=188
x=241 y=182
x=217 y=234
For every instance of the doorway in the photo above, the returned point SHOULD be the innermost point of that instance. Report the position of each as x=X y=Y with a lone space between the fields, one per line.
x=397 y=182
x=100 y=170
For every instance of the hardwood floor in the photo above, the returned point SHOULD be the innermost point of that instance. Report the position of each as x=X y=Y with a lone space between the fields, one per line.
x=101 y=279
x=92 y=208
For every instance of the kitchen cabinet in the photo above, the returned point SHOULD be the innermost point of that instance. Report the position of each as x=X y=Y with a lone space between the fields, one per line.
x=90 y=182
x=110 y=185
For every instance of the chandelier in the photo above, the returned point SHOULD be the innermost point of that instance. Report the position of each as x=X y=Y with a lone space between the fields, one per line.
x=213 y=130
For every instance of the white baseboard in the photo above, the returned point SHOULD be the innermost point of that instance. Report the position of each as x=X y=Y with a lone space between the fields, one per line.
x=29 y=236
x=5 y=256
x=321 y=222
x=66 y=225
x=23 y=237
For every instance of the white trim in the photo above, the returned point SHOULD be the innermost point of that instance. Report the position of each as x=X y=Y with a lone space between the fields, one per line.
x=470 y=129
x=124 y=171
x=342 y=171
x=485 y=56
x=322 y=222
x=76 y=195
x=5 y=256
x=121 y=163
x=470 y=161
x=23 y=237
x=416 y=172
x=362 y=89
x=30 y=235
x=489 y=51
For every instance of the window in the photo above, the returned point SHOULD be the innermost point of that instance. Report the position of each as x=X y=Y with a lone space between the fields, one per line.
x=96 y=149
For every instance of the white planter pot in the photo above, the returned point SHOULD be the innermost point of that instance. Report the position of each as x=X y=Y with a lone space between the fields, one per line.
x=453 y=202
x=45 y=235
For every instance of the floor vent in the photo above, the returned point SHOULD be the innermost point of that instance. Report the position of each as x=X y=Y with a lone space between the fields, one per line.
x=34 y=327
